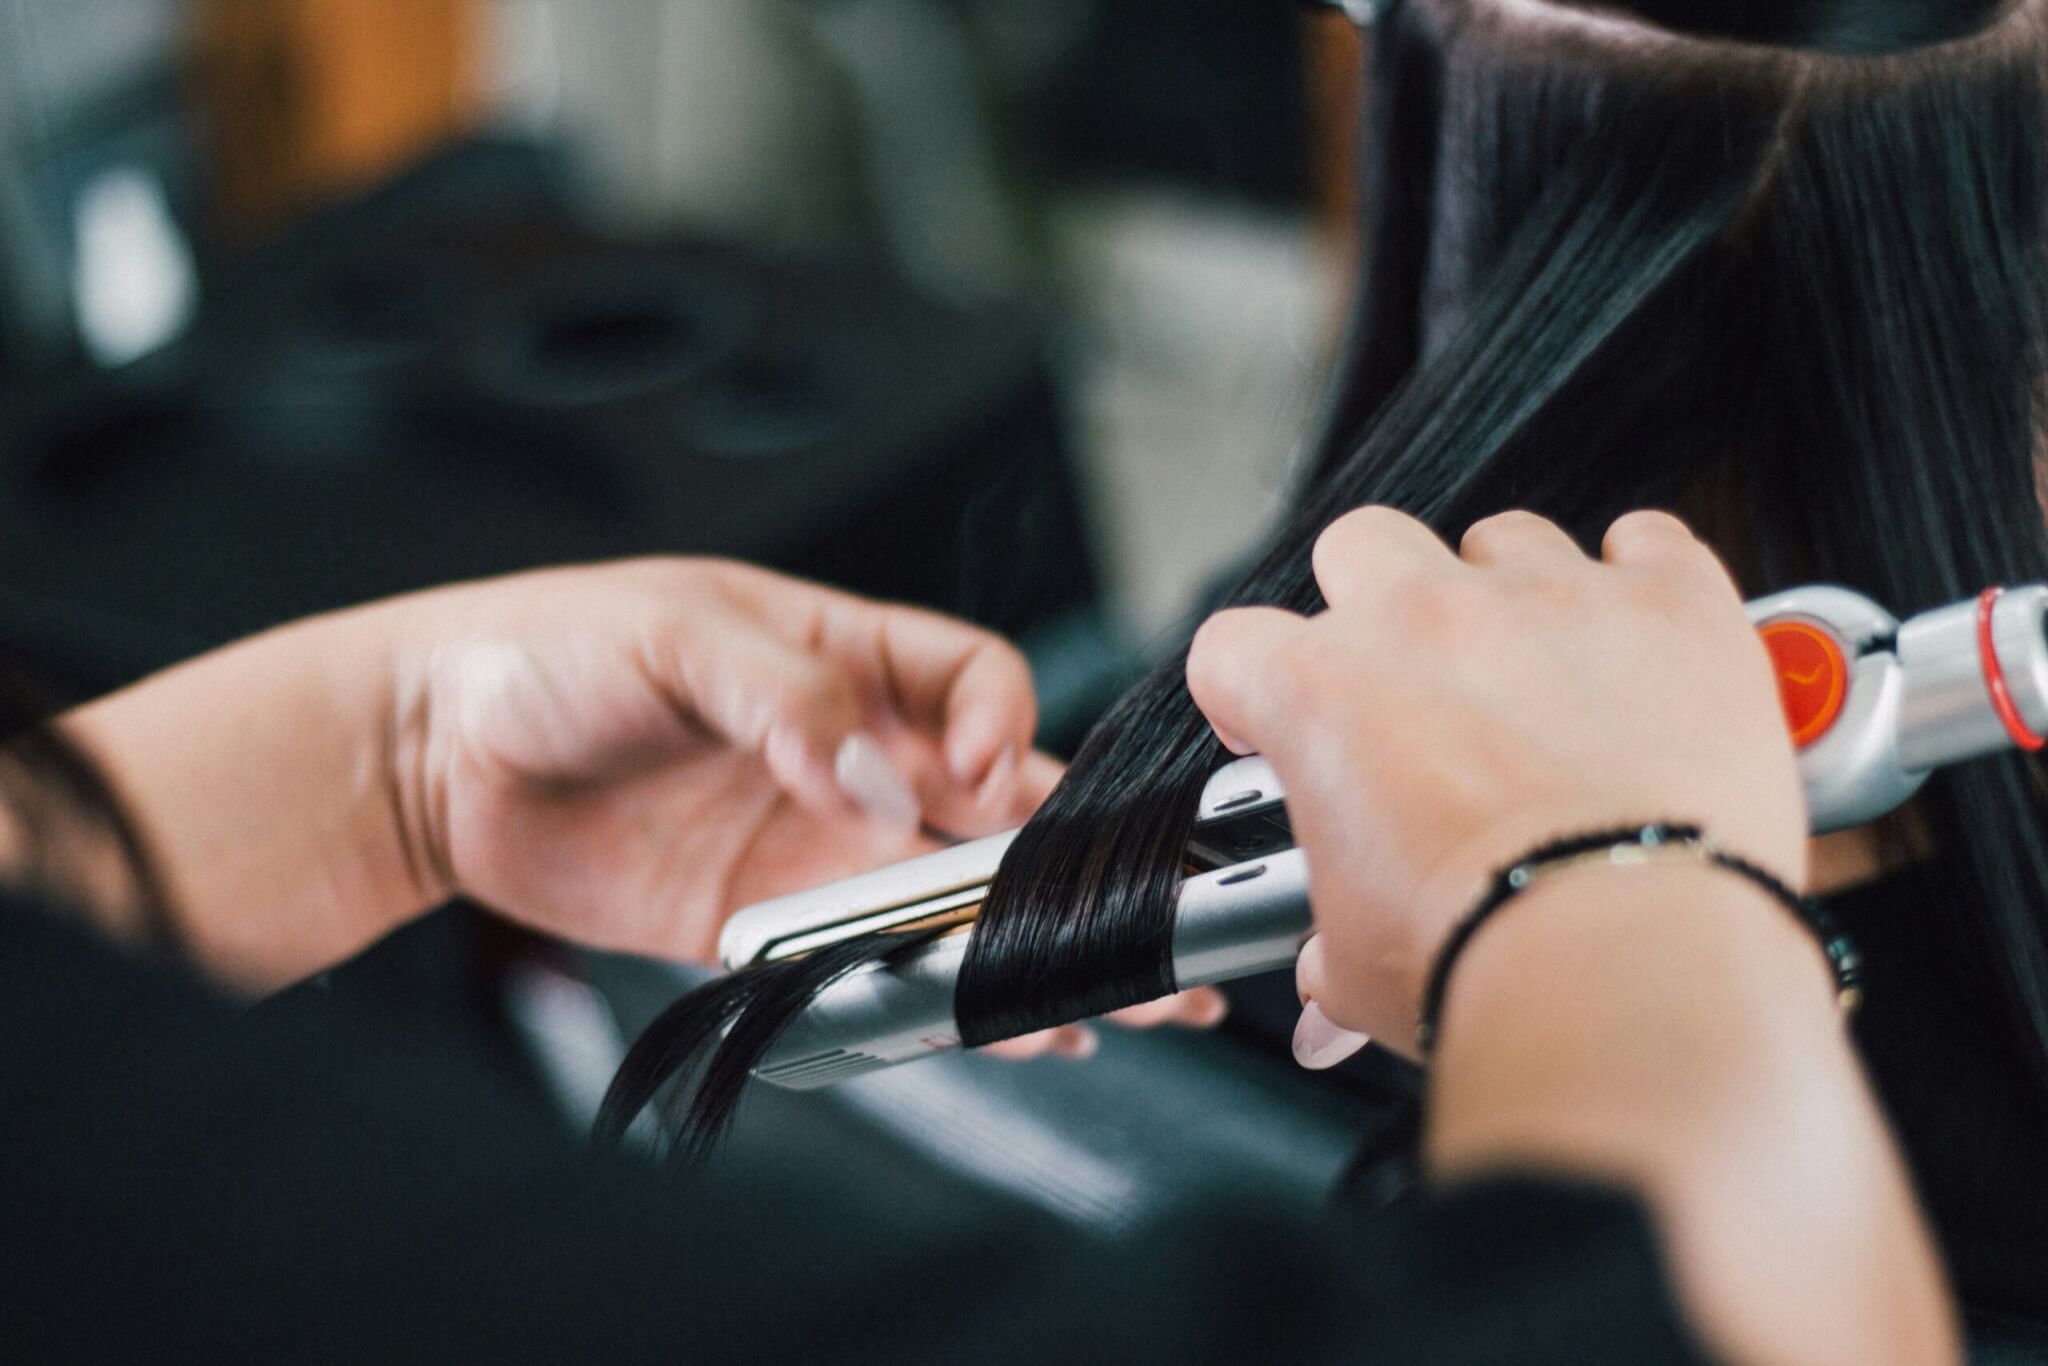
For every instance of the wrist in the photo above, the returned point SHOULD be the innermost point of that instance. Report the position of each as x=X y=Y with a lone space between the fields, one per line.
x=1614 y=850
x=1621 y=1023
x=1680 y=931
x=262 y=776
x=409 y=758
x=1672 y=1031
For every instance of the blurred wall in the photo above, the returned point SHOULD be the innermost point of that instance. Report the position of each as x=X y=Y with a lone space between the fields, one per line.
x=717 y=112
x=1128 y=166
x=306 y=100
x=54 y=53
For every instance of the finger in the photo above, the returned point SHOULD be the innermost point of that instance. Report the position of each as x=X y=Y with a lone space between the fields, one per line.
x=1075 y=1041
x=1309 y=970
x=1520 y=540
x=971 y=687
x=1030 y=784
x=1008 y=797
x=1232 y=743
x=1020 y=1049
x=1374 y=549
x=1320 y=1043
x=1231 y=671
x=797 y=710
x=1200 y=1008
x=1648 y=536
x=1659 y=544
x=1066 y=1041
x=1037 y=776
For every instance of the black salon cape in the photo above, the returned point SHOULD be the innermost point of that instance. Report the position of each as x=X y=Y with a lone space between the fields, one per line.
x=181 y=1180
x=1960 y=1093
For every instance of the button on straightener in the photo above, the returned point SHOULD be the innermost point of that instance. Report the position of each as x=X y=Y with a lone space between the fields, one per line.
x=1873 y=706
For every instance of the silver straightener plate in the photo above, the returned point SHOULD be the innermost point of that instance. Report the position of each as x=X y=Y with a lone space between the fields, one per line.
x=1908 y=711
x=899 y=894
x=1241 y=815
x=873 y=1017
x=1230 y=923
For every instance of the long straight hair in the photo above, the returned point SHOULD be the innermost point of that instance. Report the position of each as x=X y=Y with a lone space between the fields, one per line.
x=1782 y=266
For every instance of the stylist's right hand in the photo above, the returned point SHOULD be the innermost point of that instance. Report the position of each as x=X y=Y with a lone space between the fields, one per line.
x=1449 y=711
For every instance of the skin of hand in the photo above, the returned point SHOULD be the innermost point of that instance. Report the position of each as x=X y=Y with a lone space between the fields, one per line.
x=1463 y=682
x=619 y=754
x=1450 y=711
x=629 y=753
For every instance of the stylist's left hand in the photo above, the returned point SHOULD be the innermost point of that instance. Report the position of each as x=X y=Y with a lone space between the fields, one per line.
x=621 y=755
x=625 y=754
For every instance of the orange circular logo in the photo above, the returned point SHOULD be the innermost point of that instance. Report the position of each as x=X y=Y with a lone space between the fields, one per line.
x=1813 y=677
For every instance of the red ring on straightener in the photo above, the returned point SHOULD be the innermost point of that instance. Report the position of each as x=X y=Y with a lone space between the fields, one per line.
x=2016 y=726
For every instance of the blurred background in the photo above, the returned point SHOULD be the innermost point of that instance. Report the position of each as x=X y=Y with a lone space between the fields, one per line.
x=1017 y=308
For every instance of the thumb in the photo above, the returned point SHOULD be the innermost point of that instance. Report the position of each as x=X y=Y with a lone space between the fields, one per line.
x=1319 y=1041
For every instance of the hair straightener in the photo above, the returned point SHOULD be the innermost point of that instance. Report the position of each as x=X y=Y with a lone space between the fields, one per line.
x=1874 y=706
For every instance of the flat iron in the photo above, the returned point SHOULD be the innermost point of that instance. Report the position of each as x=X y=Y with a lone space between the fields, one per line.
x=1873 y=706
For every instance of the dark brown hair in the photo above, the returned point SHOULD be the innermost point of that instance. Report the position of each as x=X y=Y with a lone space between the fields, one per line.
x=1799 y=250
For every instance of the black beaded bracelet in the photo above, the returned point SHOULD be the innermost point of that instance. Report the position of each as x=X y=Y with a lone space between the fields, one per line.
x=1635 y=845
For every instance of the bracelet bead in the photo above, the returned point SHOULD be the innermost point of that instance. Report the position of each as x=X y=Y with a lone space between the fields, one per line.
x=1628 y=846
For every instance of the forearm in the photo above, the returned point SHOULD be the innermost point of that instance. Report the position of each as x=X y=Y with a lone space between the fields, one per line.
x=1673 y=1031
x=262 y=777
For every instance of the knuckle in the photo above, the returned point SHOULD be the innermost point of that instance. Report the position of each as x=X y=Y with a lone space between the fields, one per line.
x=1431 y=608
x=1333 y=551
x=1672 y=599
x=1646 y=528
x=1006 y=660
x=1216 y=670
x=1348 y=540
x=1363 y=523
x=1502 y=526
x=1658 y=520
x=1208 y=651
x=1552 y=590
x=1662 y=593
x=1298 y=676
x=811 y=686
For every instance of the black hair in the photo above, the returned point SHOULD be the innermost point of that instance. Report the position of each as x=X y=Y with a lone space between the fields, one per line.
x=1780 y=266
x=67 y=837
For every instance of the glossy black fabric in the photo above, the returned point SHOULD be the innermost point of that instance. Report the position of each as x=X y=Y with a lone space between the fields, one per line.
x=1932 y=1036
x=183 y=1180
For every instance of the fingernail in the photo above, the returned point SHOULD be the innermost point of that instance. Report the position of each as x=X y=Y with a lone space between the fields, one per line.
x=785 y=752
x=1078 y=1041
x=1319 y=1044
x=1001 y=774
x=1215 y=1007
x=872 y=782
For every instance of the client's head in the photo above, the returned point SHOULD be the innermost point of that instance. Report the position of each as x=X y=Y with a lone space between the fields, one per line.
x=1779 y=264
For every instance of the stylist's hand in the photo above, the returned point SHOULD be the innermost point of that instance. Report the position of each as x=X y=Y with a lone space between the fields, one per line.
x=624 y=754
x=620 y=754
x=1450 y=711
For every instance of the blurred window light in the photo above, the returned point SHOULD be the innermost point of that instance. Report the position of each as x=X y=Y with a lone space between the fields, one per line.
x=1360 y=12
x=522 y=64
x=134 y=288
